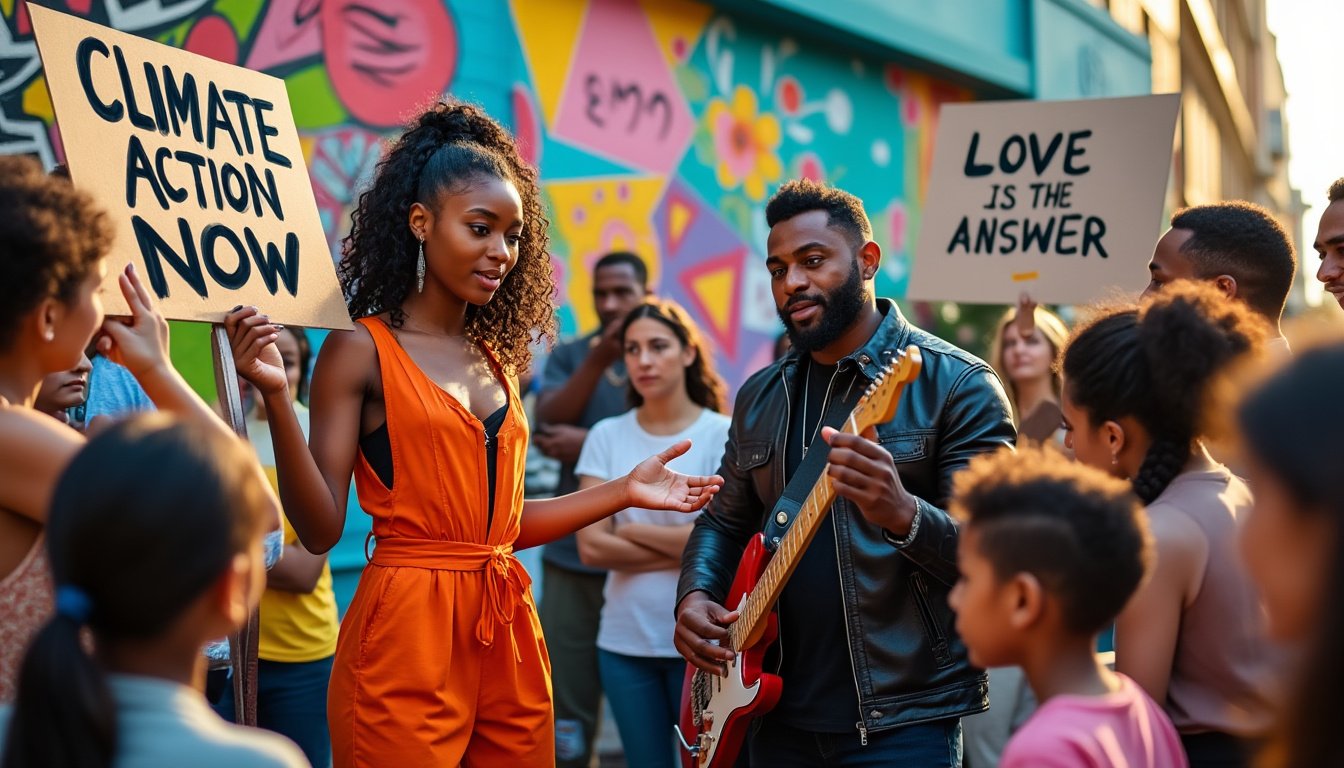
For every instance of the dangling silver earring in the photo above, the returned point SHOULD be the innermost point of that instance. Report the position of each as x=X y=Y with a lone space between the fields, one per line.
x=420 y=268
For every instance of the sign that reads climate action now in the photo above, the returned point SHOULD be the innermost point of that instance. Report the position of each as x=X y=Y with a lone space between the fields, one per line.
x=200 y=165
x=1060 y=199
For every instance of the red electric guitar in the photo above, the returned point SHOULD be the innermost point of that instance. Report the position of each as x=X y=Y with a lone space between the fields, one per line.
x=715 y=711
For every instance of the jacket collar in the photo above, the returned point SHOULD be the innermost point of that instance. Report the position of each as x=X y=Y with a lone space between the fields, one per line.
x=891 y=336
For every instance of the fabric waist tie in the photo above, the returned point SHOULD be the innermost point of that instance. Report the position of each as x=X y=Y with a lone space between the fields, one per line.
x=505 y=578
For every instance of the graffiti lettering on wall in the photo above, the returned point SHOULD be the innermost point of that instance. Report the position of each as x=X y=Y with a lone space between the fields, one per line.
x=659 y=126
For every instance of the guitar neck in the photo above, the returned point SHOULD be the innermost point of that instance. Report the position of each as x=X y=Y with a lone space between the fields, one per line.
x=750 y=625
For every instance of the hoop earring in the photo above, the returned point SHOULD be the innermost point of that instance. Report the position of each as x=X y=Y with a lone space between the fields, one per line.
x=420 y=268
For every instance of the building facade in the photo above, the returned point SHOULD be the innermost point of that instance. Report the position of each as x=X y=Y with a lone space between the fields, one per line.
x=1232 y=140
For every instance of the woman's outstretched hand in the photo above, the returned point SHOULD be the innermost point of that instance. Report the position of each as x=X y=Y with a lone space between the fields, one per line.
x=651 y=485
x=252 y=338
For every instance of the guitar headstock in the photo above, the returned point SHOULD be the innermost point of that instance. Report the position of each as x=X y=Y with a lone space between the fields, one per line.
x=879 y=402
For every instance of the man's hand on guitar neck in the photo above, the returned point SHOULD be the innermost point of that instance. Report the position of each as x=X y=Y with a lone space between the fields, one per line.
x=863 y=472
x=702 y=625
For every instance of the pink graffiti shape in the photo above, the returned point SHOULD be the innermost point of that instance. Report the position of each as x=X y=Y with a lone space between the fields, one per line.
x=810 y=167
x=526 y=126
x=386 y=57
x=289 y=32
x=213 y=37
x=898 y=227
x=621 y=100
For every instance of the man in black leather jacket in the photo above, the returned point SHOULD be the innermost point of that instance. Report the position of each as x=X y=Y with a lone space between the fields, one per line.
x=871 y=663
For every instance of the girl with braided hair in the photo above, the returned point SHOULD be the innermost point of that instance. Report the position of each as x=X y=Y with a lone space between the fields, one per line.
x=1137 y=380
x=440 y=659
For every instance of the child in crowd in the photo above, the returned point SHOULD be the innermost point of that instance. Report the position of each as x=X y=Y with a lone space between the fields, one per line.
x=129 y=505
x=63 y=391
x=1293 y=543
x=1049 y=553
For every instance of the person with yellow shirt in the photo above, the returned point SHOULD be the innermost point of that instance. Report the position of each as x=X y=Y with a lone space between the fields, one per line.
x=297 y=638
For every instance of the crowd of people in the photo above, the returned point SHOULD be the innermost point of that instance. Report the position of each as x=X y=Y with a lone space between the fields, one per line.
x=1115 y=544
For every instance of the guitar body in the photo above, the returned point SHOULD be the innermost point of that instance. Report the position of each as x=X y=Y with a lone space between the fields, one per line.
x=716 y=712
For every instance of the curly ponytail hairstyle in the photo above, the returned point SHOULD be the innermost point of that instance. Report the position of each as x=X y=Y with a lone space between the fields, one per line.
x=444 y=150
x=703 y=384
x=1157 y=362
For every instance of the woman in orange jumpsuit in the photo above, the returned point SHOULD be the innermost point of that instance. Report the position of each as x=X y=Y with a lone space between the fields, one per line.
x=440 y=660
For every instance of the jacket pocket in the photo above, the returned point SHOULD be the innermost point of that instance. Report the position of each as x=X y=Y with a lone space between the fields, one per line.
x=753 y=461
x=942 y=651
x=904 y=448
x=751 y=455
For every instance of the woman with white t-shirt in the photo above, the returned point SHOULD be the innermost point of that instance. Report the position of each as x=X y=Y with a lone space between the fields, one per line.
x=677 y=396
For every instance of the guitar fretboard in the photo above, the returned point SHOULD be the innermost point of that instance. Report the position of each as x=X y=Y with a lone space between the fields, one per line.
x=750 y=623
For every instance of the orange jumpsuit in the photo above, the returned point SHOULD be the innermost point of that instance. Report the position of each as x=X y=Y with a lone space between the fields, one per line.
x=440 y=660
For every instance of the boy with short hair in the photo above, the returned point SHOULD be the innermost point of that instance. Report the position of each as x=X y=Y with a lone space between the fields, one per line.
x=1049 y=552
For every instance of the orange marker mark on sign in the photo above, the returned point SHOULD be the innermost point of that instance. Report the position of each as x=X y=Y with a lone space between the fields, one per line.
x=1022 y=277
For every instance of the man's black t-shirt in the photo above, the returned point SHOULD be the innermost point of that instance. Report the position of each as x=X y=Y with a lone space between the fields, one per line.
x=819 y=688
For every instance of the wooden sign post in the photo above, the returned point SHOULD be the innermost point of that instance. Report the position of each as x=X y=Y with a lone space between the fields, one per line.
x=1060 y=199
x=200 y=166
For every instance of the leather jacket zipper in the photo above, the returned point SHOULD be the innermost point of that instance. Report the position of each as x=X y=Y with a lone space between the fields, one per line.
x=862 y=724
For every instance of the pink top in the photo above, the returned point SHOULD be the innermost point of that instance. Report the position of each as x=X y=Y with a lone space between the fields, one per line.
x=26 y=603
x=1125 y=729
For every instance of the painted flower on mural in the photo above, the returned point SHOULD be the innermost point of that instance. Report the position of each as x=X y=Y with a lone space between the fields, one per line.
x=745 y=143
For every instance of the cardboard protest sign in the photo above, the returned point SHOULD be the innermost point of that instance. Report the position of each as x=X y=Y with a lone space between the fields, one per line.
x=1060 y=199
x=200 y=166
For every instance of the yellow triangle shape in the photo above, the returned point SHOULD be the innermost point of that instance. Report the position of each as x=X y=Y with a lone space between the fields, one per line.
x=715 y=291
x=673 y=19
x=678 y=218
x=549 y=33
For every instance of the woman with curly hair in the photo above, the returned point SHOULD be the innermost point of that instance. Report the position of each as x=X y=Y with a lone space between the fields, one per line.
x=1137 y=382
x=440 y=659
x=677 y=395
x=53 y=244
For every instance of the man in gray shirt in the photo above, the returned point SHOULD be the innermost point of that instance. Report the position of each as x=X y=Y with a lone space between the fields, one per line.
x=584 y=381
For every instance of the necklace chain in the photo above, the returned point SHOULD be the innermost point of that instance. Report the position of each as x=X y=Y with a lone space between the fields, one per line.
x=803 y=440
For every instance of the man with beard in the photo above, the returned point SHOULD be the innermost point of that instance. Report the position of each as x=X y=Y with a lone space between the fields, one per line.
x=873 y=670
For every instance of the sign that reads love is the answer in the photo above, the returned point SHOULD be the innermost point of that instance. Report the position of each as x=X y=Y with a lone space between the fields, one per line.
x=1061 y=199
x=200 y=166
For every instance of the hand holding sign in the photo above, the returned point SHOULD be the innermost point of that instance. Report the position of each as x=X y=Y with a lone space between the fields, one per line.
x=252 y=338
x=138 y=343
x=1025 y=320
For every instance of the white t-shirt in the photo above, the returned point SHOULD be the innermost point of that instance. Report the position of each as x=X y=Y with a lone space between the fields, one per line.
x=637 y=616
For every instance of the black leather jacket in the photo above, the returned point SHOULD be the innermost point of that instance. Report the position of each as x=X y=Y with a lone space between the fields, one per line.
x=909 y=664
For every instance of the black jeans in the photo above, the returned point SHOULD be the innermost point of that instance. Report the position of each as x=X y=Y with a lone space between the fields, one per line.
x=1218 y=750
x=927 y=745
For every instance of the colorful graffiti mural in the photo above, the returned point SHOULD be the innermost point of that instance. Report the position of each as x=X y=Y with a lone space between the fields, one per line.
x=659 y=126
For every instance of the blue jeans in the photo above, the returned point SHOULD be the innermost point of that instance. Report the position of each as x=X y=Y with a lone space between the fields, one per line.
x=645 y=697
x=927 y=745
x=292 y=701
